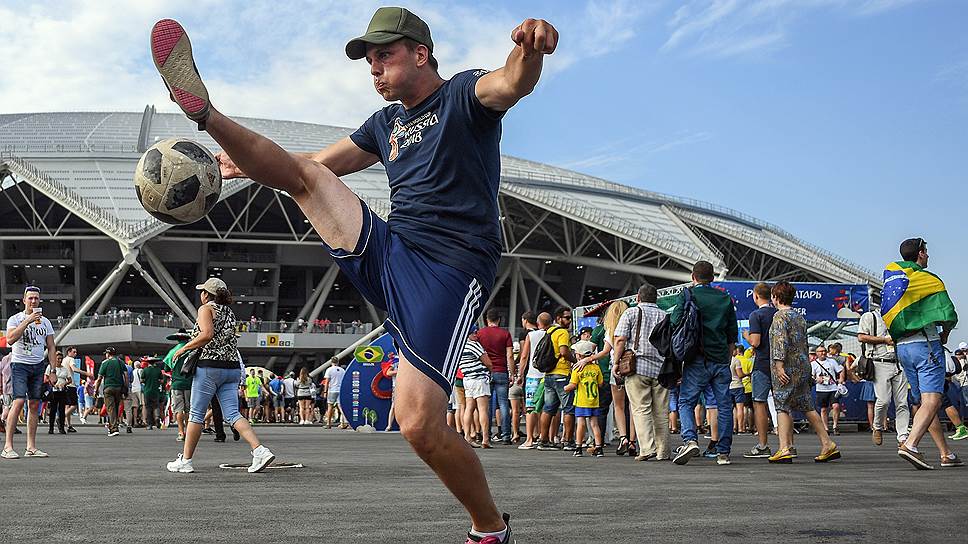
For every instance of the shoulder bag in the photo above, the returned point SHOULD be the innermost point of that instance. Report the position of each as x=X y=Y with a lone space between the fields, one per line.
x=191 y=362
x=864 y=367
x=627 y=361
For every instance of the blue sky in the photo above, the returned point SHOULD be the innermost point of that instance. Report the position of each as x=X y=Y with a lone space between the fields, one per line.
x=842 y=121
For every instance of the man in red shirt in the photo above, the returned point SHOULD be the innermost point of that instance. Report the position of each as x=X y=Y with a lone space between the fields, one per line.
x=499 y=347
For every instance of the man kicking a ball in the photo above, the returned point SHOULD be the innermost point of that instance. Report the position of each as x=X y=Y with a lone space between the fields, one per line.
x=439 y=142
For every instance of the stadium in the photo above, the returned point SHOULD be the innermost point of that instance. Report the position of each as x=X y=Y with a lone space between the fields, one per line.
x=71 y=223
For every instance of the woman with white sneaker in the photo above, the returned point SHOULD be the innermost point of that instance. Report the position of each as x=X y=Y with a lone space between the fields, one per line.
x=217 y=374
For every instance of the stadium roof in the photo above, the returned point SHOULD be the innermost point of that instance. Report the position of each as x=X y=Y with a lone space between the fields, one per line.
x=85 y=162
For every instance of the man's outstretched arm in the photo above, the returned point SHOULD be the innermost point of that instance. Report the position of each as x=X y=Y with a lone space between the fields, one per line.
x=502 y=88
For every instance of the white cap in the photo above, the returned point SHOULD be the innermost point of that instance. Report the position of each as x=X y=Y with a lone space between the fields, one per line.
x=963 y=345
x=212 y=285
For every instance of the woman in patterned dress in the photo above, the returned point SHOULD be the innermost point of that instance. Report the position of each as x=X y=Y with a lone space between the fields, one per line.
x=218 y=373
x=792 y=380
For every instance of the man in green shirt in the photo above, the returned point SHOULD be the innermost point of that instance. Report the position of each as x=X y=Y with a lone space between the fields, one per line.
x=151 y=382
x=181 y=385
x=114 y=377
x=252 y=386
x=710 y=369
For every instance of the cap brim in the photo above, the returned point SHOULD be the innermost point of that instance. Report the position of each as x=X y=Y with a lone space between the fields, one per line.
x=356 y=48
x=200 y=287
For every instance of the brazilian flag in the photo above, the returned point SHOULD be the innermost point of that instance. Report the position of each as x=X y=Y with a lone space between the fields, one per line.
x=913 y=299
x=368 y=354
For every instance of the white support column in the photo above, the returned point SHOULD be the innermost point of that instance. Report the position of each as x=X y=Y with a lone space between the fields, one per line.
x=513 y=320
x=187 y=321
x=101 y=289
x=547 y=288
x=497 y=287
x=111 y=290
x=327 y=283
x=166 y=277
x=311 y=299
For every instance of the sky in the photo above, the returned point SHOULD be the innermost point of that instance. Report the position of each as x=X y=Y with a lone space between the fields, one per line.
x=842 y=121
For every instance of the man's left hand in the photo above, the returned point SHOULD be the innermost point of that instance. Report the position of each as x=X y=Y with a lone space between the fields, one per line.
x=535 y=36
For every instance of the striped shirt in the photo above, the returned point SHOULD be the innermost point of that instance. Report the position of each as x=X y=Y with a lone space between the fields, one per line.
x=470 y=361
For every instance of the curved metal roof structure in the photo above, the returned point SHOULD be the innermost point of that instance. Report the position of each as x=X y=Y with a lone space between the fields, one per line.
x=84 y=162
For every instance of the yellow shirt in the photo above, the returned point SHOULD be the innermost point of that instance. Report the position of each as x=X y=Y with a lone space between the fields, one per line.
x=747 y=366
x=587 y=379
x=560 y=337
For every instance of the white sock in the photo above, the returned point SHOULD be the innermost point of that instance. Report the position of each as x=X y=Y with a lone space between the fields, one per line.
x=499 y=534
x=912 y=448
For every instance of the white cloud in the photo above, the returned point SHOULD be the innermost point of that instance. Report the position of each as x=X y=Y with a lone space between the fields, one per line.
x=626 y=150
x=728 y=28
x=261 y=59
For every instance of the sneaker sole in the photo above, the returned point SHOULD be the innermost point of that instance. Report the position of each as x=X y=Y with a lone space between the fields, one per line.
x=181 y=471
x=918 y=464
x=685 y=457
x=758 y=456
x=172 y=53
x=265 y=464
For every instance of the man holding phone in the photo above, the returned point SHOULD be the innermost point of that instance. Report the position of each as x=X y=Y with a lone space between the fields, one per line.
x=30 y=334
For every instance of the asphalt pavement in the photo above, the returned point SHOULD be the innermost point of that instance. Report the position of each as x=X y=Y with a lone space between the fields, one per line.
x=370 y=488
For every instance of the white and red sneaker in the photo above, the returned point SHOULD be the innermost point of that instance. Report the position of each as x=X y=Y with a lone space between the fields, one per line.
x=508 y=539
x=172 y=53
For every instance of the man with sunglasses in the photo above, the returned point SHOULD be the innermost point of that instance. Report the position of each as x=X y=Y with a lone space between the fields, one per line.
x=30 y=334
x=922 y=358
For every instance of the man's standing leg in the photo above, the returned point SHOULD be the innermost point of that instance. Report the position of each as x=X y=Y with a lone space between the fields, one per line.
x=694 y=380
x=424 y=426
x=719 y=379
x=902 y=411
x=660 y=418
x=111 y=404
x=640 y=406
x=924 y=369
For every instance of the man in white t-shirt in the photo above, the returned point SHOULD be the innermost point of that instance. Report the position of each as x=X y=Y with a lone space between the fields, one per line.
x=72 y=363
x=333 y=378
x=289 y=394
x=531 y=377
x=828 y=374
x=30 y=334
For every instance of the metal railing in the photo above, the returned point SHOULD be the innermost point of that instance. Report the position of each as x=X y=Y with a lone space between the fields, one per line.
x=49 y=253
x=242 y=326
x=66 y=196
x=241 y=257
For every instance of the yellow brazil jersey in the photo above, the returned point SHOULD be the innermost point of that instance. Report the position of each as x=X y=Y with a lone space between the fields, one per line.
x=560 y=337
x=587 y=379
x=747 y=366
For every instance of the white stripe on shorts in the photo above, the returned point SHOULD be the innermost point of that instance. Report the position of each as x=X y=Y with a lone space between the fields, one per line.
x=461 y=327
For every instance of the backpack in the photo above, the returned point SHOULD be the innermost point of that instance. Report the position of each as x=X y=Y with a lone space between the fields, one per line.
x=545 y=356
x=687 y=334
x=661 y=339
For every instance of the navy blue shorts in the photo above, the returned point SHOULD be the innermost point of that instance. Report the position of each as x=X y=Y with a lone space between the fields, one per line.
x=430 y=305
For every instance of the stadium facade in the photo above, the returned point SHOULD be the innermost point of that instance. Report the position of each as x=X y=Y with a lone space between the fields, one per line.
x=70 y=222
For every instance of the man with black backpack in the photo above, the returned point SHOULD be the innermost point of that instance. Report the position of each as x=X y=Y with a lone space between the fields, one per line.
x=704 y=334
x=556 y=347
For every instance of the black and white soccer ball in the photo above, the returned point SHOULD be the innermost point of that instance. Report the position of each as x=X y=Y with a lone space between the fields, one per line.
x=178 y=181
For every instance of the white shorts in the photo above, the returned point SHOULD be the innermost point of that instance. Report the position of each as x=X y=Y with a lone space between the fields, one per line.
x=477 y=387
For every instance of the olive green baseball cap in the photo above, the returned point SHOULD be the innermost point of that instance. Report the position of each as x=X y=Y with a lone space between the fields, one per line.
x=389 y=25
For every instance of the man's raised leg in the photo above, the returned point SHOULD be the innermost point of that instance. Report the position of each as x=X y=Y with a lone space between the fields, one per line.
x=424 y=426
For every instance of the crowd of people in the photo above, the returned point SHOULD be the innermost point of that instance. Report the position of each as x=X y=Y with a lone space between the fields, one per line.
x=778 y=385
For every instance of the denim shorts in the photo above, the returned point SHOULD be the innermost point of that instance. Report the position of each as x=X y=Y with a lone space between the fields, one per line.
x=586 y=412
x=762 y=385
x=28 y=380
x=556 y=397
x=674 y=400
x=530 y=388
x=739 y=396
x=924 y=367
x=332 y=397
x=211 y=382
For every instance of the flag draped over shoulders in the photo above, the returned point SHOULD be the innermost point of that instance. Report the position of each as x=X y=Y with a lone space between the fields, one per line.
x=913 y=299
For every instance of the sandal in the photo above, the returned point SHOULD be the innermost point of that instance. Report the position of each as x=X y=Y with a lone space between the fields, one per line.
x=623 y=446
x=633 y=450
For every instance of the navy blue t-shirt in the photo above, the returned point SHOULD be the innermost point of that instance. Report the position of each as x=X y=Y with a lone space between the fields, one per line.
x=443 y=160
x=760 y=321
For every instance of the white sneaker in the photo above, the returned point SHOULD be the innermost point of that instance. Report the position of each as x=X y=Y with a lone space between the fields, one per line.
x=34 y=453
x=113 y=433
x=180 y=464
x=261 y=458
x=82 y=421
x=9 y=454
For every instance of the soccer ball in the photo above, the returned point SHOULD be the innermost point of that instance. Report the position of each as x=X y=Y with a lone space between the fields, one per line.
x=178 y=181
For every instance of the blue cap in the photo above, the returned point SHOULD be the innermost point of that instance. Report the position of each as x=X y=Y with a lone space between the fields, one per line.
x=474 y=328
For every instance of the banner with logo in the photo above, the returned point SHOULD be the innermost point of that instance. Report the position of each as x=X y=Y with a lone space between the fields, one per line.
x=366 y=391
x=280 y=340
x=816 y=301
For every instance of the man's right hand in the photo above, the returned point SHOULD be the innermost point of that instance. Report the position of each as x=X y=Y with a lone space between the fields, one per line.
x=227 y=166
